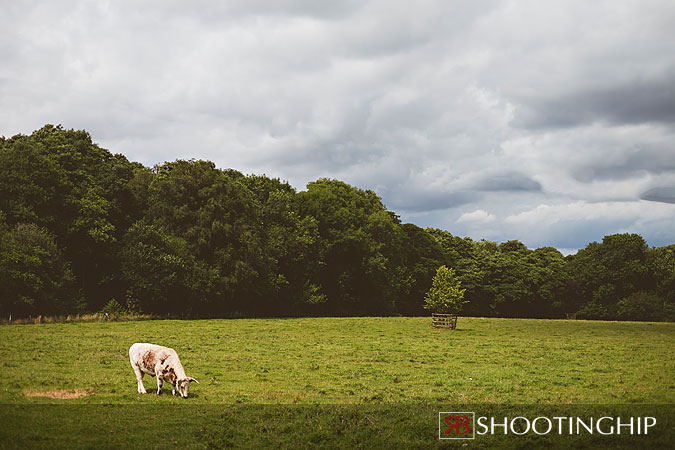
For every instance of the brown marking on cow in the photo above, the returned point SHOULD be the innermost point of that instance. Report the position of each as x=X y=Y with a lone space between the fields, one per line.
x=170 y=375
x=149 y=359
x=163 y=359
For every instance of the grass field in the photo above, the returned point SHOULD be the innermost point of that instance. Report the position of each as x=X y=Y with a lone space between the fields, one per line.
x=331 y=368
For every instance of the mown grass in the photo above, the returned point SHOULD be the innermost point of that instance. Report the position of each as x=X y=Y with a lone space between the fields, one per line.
x=334 y=365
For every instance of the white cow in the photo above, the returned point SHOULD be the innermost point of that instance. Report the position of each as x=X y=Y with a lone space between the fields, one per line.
x=162 y=362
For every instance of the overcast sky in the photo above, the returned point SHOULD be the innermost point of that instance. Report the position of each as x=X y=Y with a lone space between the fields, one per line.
x=551 y=122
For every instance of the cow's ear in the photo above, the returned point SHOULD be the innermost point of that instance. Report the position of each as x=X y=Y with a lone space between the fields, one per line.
x=192 y=379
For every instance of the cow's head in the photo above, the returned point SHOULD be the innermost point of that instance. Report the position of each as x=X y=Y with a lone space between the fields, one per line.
x=183 y=384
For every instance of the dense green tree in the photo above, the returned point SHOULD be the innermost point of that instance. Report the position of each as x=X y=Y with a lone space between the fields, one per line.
x=291 y=244
x=60 y=180
x=506 y=279
x=593 y=310
x=219 y=219
x=156 y=267
x=571 y=296
x=624 y=259
x=421 y=255
x=661 y=263
x=611 y=270
x=359 y=248
x=34 y=276
x=469 y=259
x=640 y=306
x=547 y=281
x=32 y=189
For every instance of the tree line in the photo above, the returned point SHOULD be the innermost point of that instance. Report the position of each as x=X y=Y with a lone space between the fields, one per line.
x=82 y=229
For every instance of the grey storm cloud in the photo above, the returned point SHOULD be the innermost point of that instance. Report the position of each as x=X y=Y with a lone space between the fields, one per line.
x=634 y=102
x=508 y=182
x=415 y=202
x=660 y=194
x=626 y=162
x=511 y=114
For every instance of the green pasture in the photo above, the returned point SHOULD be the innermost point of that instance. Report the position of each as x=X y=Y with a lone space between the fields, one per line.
x=318 y=371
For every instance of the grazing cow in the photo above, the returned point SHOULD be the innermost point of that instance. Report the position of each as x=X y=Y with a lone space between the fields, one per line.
x=162 y=362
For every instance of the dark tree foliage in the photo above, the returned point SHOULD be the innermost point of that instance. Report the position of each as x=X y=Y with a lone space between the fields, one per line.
x=421 y=256
x=157 y=268
x=34 y=276
x=609 y=271
x=359 y=248
x=59 y=179
x=661 y=264
x=81 y=227
x=291 y=244
x=220 y=221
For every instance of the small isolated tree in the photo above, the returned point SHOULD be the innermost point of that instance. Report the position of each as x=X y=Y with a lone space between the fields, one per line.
x=446 y=295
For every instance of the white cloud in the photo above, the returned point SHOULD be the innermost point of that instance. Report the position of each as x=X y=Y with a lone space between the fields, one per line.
x=551 y=223
x=478 y=216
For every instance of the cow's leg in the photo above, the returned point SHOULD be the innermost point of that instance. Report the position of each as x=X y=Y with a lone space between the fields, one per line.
x=139 y=378
x=159 y=384
x=173 y=391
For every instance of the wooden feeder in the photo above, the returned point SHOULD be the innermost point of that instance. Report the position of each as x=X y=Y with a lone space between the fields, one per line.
x=444 y=320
